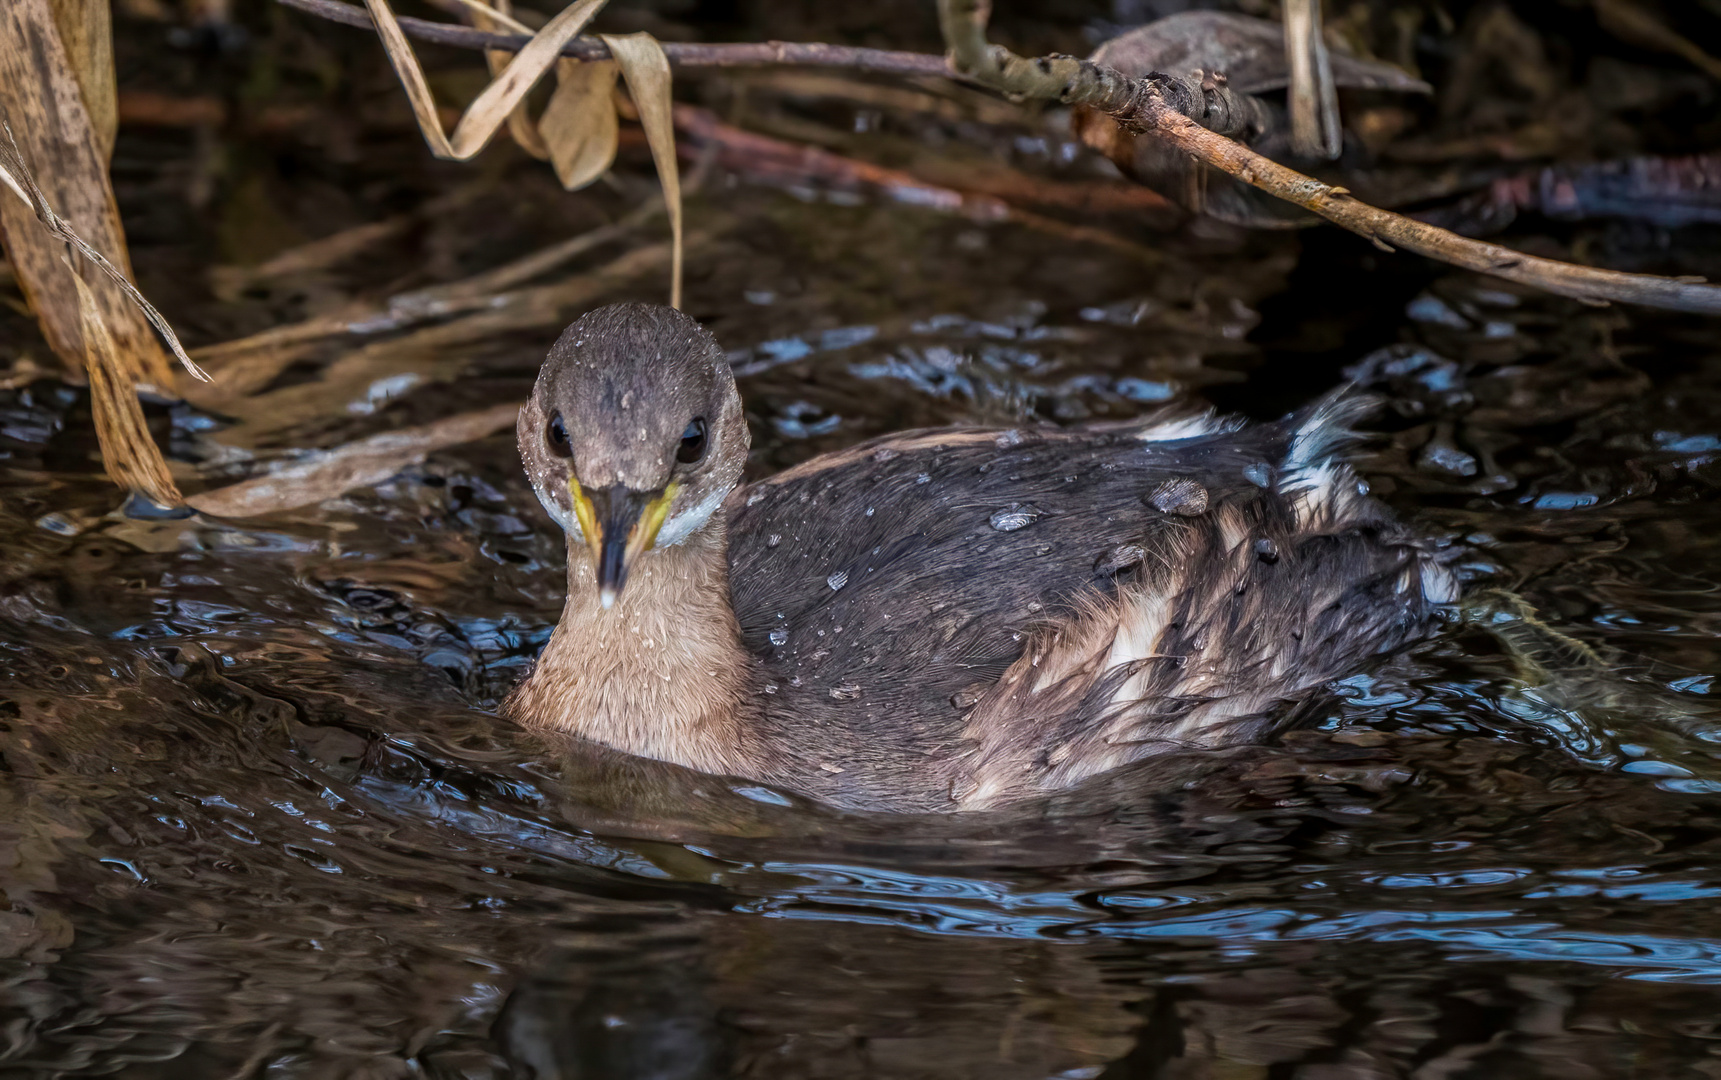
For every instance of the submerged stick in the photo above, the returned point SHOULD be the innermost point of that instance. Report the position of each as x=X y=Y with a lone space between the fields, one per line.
x=1146 y=107
x=486 y=289
x=365 y=463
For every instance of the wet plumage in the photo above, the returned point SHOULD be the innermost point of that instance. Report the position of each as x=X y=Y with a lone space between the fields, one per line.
x=951 y=619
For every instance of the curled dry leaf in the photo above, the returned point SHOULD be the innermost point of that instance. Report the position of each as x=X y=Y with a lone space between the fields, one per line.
x=520 y=126
x=329 y=473
x=579 y=124
x=490 y=111
x=578 y=131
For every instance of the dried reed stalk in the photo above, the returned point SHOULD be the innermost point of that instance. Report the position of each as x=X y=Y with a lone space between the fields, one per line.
x=1314 y=98
x=42 y=100
x=647 y=72
x=438 y=352
x=16 y=175
x=56 y=92
x=129 y=455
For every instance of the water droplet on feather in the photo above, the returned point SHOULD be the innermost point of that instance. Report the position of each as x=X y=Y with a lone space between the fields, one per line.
x=1120 y=558
x=1013 y=517
x=1182 y=497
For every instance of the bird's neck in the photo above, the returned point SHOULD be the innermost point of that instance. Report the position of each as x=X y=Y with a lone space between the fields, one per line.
x=662 y=673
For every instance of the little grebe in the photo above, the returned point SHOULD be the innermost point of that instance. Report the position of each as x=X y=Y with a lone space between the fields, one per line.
x=940 y=620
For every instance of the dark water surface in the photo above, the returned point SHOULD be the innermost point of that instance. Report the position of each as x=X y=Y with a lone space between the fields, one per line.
x=258 y=817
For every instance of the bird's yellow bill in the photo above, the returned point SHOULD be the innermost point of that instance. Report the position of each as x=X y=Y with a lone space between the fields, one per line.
x=618 y=525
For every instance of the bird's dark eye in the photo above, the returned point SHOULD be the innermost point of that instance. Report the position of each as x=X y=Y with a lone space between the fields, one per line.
x=692 y=446
x=557 y=436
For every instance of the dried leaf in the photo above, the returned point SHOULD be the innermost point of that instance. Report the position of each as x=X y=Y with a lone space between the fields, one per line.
x=326 y=474
x=579 y=125
x=129 y=455
x=87 y=30
x=499 y=17
x=40 y=97
x=582 y=137
x=45 y=85
x=487 y=114
x=578 y=132
x=646 y=70
x=22 y=183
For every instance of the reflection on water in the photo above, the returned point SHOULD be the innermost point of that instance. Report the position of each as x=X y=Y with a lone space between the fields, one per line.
x=260 y=820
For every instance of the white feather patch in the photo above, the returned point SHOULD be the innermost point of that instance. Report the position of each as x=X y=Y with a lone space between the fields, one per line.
x=680 y=526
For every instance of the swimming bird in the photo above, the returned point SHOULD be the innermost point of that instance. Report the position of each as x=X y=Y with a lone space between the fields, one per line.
x=949 y=619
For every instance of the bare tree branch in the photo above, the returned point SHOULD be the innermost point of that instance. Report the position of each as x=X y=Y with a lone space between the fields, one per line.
x=1194 y=112
x=1151 y=106
x=681 y=54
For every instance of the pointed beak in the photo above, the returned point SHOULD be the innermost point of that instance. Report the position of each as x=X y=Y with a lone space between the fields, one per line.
x=618 y=524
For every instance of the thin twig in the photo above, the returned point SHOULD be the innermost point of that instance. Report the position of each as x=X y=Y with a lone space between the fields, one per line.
x=1586 y=283
x=681 y=54
x=16 y=175
x=1161 y=108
